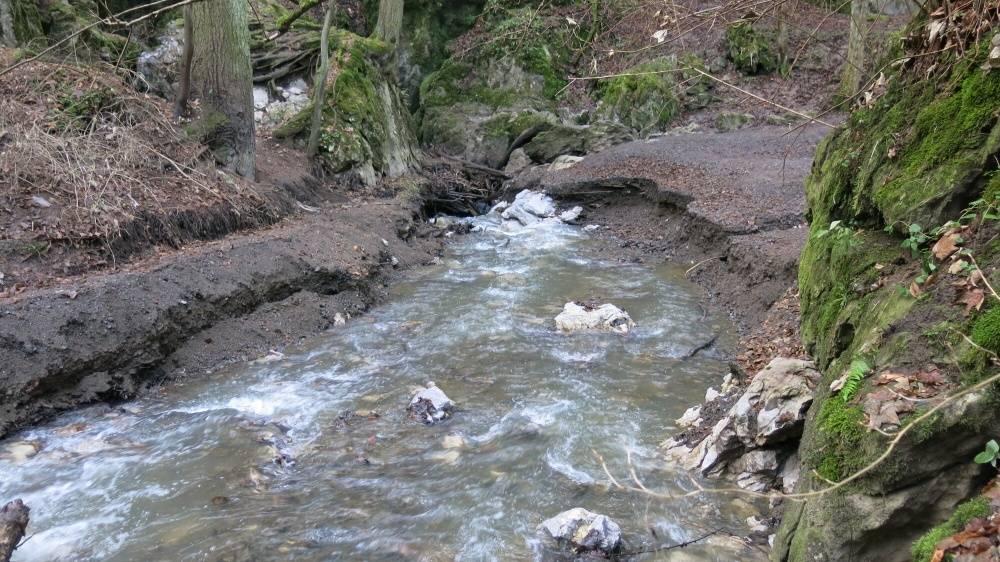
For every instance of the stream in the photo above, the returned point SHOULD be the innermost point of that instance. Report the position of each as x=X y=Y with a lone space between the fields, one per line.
x=310 y=455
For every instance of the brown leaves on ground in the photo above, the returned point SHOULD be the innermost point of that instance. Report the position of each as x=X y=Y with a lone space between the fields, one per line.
x=949 y=243
x=899 y=393
x=969 y=292
x=979 y=541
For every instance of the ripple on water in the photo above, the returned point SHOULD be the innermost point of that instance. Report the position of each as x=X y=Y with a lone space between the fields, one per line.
x=189 y=473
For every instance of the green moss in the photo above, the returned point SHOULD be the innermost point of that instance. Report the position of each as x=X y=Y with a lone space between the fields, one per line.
x=749 y=49
x=923 y=549
x=986 y=330
x=455 y=82
x=842 y=433
x=643 y=97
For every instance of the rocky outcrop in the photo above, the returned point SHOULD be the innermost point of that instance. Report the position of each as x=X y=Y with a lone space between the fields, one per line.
x=582 y=317
x=754 y=439
x=584 y=531
x=921 y=153
x=157 y=68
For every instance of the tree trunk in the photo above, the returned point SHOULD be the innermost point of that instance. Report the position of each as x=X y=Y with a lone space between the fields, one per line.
x=7 y=37
x=390 y=21
x=223 y=74
x=853 y=76
x=13 y=522
x=184 y=87
x=319 y=97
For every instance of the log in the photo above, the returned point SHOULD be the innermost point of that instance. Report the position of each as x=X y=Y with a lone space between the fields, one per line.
x=13 y=522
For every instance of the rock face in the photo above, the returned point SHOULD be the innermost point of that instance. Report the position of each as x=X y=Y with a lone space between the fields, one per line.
x=287 y=101
x=607 y=317
x=584 y=531
x=157 y=69
x=431 y=405
x=851 y=310
x=753 y=440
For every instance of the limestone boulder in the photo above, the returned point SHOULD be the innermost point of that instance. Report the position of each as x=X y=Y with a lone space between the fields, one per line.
x=584 y=531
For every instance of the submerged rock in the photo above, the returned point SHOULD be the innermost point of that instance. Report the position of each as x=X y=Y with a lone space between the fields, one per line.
x=584 y=530
x=431 y=405
x=607 y=317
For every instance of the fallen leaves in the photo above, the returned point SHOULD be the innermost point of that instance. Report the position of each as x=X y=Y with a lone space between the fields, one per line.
x=975 y=543
x=948 y=244
x=899 y=393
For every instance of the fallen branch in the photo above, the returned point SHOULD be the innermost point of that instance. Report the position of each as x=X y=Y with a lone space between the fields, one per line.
x=13 y=522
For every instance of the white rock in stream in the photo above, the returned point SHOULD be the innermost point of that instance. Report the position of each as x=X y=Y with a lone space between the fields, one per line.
x=19 y=451
x=607 y=317
x=571 y=214
x=584 y=530
x=529 y=207
x=431 y=405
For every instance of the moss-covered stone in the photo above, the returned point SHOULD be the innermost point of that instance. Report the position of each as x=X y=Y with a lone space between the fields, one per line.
x=923 y=549
x=749 y=49
x=366 y=125
x=643 y=97
x=986 y=330
x=898 y=162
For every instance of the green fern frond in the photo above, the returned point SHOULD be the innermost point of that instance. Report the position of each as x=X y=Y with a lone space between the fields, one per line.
x=855 y=375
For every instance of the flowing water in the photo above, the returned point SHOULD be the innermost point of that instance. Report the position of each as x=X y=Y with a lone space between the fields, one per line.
x=311 y=456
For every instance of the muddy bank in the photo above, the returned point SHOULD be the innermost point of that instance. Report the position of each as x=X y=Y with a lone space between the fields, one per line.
x=108 y=337
x=731 y=206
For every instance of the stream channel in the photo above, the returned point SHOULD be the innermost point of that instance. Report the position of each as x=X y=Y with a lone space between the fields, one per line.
x=310 y=455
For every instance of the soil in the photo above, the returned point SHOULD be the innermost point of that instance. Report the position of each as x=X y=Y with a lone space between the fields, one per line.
x=107 y=336
x=730 y=205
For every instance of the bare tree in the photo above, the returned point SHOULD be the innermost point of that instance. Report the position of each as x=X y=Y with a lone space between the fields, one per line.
x=322 y=75
x=222 y=72
x=184 y=87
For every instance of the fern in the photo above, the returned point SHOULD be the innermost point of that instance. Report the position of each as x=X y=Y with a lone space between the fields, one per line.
x=855 y=375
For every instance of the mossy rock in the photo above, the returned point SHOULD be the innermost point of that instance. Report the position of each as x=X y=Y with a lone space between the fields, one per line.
x=728 y=121
x=366 y=125
x=923 y=549
x=643 y=97
x=920 y=154
x=986 y=329
x=560 y=140
x=750 y=50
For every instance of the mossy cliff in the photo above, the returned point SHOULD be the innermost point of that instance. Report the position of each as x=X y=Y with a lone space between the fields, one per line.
x=921 y=155
x=34 y=24
x=366 y=126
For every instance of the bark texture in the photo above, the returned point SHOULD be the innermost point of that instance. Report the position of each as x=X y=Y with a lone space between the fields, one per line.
x=857 y=48
x=321 y=78
x=390 y=21
x=184 y=88
x=223 y=75
x=13 y=522
x=7 y=37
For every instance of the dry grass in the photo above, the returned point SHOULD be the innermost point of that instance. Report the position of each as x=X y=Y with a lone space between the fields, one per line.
x=84 y=157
